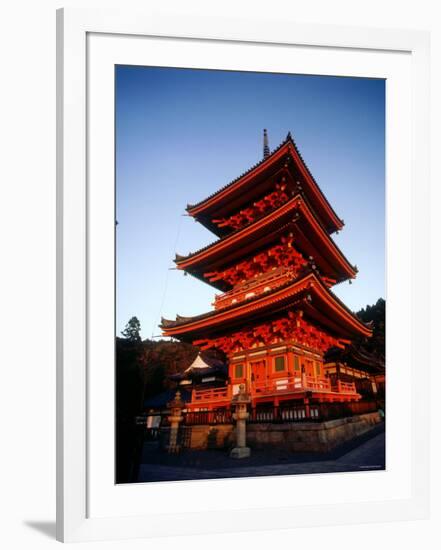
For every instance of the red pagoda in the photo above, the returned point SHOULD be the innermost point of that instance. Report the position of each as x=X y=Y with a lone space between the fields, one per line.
x=274 y=262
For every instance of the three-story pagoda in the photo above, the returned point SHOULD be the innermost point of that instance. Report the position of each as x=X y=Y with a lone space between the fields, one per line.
x=274 y=263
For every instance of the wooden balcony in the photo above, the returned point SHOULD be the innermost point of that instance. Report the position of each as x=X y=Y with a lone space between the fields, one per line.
x=278 y=386
x=211 y=395
x=262 y=284
x=301 y=383
x=344 y=387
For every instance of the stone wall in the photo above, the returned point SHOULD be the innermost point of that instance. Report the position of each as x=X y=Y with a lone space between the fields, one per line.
x=212 y=437
x=309 y=436
x=295 y=436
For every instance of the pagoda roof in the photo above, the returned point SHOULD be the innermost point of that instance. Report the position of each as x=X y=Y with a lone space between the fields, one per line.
x=203 y=362
x=308 y=293
x=203 y=365
x=356 y=356
x=295 y=216
x=245 y=188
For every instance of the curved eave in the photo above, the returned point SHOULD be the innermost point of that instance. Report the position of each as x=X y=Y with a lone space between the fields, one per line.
x=343 y=320
x=355 y=358
x=214 y=201
x=325 y=301
x=202 y=260
x=342 y=264
x=237 y=237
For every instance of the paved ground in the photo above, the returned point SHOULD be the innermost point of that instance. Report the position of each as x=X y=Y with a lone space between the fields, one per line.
x=364 y=453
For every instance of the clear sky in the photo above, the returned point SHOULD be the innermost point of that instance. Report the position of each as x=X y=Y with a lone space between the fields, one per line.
x=181 y=134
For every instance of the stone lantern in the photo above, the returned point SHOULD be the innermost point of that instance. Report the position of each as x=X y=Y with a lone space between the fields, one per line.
x=175 y=419
x=240 y=402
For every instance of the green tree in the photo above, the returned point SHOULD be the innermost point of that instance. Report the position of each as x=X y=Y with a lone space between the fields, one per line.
x=132 y=330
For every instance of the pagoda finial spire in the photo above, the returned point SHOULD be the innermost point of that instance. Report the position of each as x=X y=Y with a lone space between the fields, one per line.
x=266 y=149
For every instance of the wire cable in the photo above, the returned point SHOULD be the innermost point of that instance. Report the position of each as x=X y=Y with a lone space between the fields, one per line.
x=164 y=294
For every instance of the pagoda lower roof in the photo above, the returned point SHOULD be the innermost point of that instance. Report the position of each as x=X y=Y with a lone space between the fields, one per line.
x=308 y=293
x=296 y=216
x=356 y=356
x=247 y=186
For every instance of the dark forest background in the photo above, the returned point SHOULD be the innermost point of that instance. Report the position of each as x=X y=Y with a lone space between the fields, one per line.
x=143 y=368
x=376 y=315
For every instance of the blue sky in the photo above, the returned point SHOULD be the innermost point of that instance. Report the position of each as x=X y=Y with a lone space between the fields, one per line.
x=181 y=134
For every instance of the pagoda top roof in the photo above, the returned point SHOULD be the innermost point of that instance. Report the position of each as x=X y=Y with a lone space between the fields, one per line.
x=294 y=215
x=224 y=198
x=308 y=292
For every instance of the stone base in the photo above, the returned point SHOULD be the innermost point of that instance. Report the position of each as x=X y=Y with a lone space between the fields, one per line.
x=293 y=437
x=240 y=452
x=202 y=437
x=310 y=437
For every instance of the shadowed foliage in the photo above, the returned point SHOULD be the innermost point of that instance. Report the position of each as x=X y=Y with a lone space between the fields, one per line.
x=375 y=314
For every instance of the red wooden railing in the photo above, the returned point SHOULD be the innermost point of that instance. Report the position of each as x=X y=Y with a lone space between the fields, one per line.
x=301 y=383
x=320 y=384
x=278 y=385
x=210 y=394
x=314 y=412
x=344 y=387
x=288 y=384
x=239 y=294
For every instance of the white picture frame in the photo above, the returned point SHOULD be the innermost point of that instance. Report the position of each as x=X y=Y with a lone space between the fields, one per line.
x=79 y=409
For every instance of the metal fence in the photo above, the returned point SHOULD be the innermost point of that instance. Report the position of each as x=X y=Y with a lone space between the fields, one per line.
x=314 y=412
x=293 y=413
x=332 y=411
x=221 y=416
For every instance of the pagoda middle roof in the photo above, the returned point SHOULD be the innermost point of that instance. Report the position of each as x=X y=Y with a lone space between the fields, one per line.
x=307 y=292
x=296 y=216
x=244 y=189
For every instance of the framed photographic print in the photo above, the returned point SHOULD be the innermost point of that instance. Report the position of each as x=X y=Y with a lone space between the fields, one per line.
x=239 y=205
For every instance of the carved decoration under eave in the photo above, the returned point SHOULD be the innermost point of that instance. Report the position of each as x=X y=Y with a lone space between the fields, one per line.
x=280 y=255
x=248 y=215
x=292 y=328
